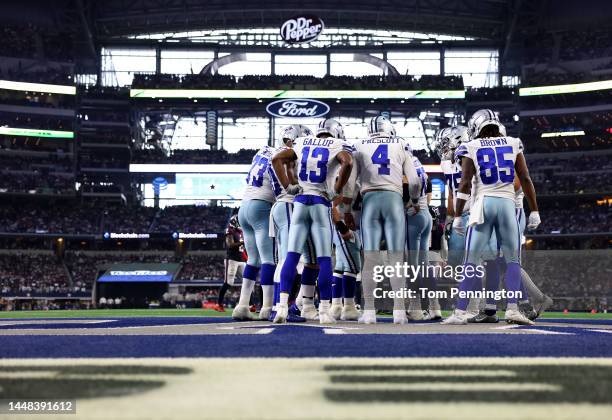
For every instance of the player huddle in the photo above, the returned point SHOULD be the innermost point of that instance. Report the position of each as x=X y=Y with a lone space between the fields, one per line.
x=367 y=203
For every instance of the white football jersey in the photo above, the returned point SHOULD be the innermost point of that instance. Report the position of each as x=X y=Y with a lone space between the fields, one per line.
x=494 y=159
x=420 y=170
x=259 y=179
x=280 y=193
x=382 y=162
x=452 y=174
x=316 y=164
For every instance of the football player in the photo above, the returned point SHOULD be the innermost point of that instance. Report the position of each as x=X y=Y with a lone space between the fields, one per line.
x=492 y=160
x=418 y=233
x=281 y=214
x=382 y=160
x=235 y=259
x=254 y=217
x=449 y=140
x=318 y=159
x=348 y=260
x=530 y=293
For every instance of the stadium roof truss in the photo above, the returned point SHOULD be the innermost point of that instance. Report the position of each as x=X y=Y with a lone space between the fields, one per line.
x=480 y=19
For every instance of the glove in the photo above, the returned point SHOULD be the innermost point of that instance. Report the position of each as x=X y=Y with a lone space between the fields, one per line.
x=534 y=220
x=458 y=225
x=294 y=189
x=448 y=227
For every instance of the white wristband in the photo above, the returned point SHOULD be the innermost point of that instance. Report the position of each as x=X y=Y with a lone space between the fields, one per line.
x=463 y=196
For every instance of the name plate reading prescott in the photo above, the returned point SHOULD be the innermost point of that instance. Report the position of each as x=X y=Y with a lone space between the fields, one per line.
x=34 y=406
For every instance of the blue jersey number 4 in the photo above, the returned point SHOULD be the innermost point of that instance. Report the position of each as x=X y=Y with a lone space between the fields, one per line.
x=381 y=158
x=494 y=166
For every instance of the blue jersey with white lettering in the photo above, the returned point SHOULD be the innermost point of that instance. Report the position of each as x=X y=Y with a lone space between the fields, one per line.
x=259 y=180
x=317 y=165
x=494 y=160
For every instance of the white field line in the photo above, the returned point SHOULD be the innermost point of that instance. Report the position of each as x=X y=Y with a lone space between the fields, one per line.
x=603 y=331
x=449 y=386
x=333 y=331
x=431 y=373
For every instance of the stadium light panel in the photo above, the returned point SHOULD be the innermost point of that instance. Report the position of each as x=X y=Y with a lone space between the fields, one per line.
x=560 y=89
x=37 y=87
x=563 y=134
x=29 y=132
x=313 y=94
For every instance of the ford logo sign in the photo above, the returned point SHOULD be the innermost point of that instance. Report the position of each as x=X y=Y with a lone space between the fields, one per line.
x=300 y=29
x=297 y=108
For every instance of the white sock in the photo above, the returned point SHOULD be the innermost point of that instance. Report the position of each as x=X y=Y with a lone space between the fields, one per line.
x=323 y=306
x=336 y=301
x=473 y=305
x=245 y=291
x=434 y=304
x=512 y=307
x=349 y=301
x=283 y=299
x=307 y=291
x=268 y=295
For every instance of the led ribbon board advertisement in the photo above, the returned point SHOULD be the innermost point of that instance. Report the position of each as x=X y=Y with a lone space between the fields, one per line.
x=142 y=272
x=559 y=89
x=37 y=87
x=293 y=94
x=29 y=132
x=192 y=186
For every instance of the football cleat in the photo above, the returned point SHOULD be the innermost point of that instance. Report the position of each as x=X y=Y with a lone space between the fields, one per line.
x=282 y=312
x=414 y=315
x=514 y=316
x=294 y=309
x=309 y=312
x=368 y=317
x=432 y=315
x=483 y=318
x=295 y=318
x=336 y=310
x=540 y=307
x=219 y=308
x=326 y=318
x=243 y=313
x=458 y=317
x=272 y=315
x=349 y=313
x=264 y=313
x=399 y=317
x=253 y=308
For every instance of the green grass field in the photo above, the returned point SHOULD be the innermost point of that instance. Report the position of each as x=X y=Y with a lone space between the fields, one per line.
x=115 y=313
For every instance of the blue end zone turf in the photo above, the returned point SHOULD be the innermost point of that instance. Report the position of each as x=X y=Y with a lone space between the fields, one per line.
x=109 y=322
x=294 y=341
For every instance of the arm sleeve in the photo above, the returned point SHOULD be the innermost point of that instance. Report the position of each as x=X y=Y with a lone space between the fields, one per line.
x=351 y=185
x=414 y=183
x=429 y=188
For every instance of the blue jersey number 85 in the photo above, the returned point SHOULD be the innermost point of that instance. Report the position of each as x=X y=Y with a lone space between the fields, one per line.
x=494 y=166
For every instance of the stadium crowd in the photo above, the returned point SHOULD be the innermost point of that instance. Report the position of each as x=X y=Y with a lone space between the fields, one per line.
x=243 y=156
x=203 y=81
x=33 y=274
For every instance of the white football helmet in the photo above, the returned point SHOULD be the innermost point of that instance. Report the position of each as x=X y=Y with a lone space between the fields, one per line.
x=380 y=126
x=481 y=119
x=331 y=127
x=458 y=135
x=289 y=134
x=441 y=143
